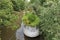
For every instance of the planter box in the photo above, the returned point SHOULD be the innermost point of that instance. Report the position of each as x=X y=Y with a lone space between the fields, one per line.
x=31 y=31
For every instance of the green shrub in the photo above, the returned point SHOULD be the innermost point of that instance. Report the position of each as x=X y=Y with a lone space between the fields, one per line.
x=49 y=13
x=18 y=5
x=31 y=19
x=7 y=16
x=50 y=21
x=6 y=5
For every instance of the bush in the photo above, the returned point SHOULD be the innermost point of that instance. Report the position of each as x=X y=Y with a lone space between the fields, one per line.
x=49 y=13
x=30 y=19
x=50 y=20
x=6 y=5
x=18 y=5
x=7 y=17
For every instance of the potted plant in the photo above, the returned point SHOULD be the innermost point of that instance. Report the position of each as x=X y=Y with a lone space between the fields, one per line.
x=30 y=21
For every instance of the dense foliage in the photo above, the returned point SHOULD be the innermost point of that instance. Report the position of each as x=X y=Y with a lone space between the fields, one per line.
x=49 y=13
x=18 y=5
x=47 y=10
x=51 y=21
x=30 y=19
x=7 y=16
